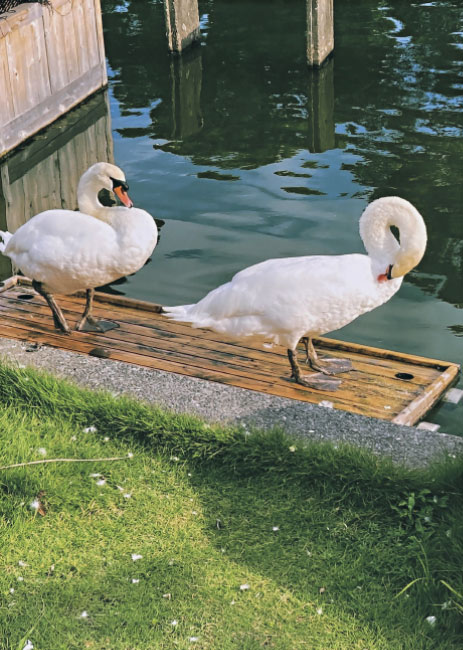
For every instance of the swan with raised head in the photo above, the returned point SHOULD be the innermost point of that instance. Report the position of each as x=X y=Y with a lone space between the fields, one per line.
x=289 y=299
x=64 y=251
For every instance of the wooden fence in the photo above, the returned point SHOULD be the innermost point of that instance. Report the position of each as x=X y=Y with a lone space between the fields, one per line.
x=51 y=58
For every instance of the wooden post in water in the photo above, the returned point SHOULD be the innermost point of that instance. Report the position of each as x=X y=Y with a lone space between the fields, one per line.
x=182 y=23
x=320 y=31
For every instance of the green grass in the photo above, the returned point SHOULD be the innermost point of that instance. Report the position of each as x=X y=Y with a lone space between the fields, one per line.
x=353 y=533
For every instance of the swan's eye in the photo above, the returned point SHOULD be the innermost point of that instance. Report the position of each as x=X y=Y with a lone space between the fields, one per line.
x=122 y=184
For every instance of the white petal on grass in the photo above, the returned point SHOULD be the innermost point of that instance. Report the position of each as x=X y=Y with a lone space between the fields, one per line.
x=11 y=590
x=106 y=439
x=84 y=614
x=176 y=458
x=244 y=587
x=21 y=563
x=135 y=581
x=275 y=528
x=29 y=645
x=136 y=556
x=20 y=579
x=34 y=505
x=193 y=639
x=292 y=448
x=130 y=455
x=127 y=495
x=73 y=438
x=431 y=620
x=95 y=475
x=121 y=489
x=91 y=429
x=174 y=623
x=101 y=481
x=319 y=611
x=168 y=596
x=42 y=451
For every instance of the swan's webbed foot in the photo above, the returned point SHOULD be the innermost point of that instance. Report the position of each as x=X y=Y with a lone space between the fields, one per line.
x=90 y=324
x=58 y=318
x=331 y=366
x=319 y=380
x=325 y=366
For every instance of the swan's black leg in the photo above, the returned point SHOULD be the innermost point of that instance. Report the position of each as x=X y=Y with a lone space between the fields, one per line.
x=90 y=324
x=58 y=318
x=326 y=366
x=318 y=380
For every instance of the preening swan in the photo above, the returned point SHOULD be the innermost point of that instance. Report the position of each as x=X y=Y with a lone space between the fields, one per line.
x=63 y=251
x=289 y=299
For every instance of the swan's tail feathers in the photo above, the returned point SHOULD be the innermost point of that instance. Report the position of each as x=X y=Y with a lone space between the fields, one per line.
x=180 y=313
x=5 y=236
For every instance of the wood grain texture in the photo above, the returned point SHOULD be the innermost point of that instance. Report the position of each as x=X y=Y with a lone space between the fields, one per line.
x=147 y=338
x=51 y=59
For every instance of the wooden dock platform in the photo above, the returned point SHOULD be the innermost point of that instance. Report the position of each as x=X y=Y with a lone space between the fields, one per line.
x=389 y=385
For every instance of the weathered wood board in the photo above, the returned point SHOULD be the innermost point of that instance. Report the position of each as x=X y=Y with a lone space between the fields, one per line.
x=51 y=58
x=383 y=384
x=45 y=174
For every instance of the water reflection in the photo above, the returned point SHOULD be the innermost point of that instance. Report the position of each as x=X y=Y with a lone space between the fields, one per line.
x=44 y=174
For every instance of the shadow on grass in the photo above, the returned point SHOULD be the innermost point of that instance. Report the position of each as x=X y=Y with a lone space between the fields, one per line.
x=326 y=525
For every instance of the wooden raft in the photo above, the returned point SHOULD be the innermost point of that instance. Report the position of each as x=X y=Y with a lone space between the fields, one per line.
x=389 y=385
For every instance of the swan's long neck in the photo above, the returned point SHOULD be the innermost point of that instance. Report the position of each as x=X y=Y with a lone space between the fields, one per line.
x=87 y=198
x=380 y=243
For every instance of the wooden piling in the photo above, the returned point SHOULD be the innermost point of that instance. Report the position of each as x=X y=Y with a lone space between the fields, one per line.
x=51 y=58
x=320 y=31
x=182 y=23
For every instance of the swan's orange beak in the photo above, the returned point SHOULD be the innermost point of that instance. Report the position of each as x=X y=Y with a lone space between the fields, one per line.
x=123 y=197
x=384 y=277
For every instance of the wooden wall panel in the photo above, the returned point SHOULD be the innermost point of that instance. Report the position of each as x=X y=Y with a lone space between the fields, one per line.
x=50 y=60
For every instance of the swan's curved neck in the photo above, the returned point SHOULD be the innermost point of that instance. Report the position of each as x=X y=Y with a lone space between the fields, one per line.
x=87 y=199
x=381 y=245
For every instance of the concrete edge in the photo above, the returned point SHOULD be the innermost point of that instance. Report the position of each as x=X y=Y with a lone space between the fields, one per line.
x=227 y=404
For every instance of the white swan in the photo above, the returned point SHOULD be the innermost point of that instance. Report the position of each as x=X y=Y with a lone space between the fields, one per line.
x=64 y=251
x=285 y=300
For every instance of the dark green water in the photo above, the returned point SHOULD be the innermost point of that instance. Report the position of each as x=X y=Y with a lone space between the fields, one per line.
x=248 y=155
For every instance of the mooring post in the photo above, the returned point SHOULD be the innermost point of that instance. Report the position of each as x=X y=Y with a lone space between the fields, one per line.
x=320 y=31
x=320 y=109
x=182 y=23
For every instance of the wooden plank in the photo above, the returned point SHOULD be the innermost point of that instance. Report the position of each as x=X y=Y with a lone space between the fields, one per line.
x=51 y=59
x=6 y=102
x=423 y=403
x=55 y=37
x=99 y=31
x=52 y=107
x=27 y=62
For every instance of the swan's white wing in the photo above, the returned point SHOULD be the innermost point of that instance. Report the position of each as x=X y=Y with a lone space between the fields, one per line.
x=63 y=249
